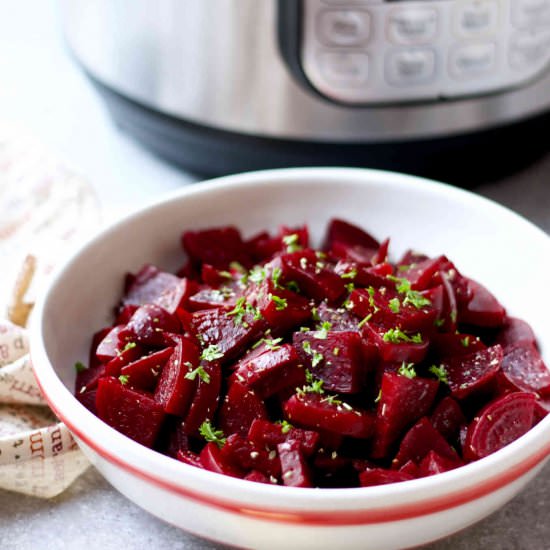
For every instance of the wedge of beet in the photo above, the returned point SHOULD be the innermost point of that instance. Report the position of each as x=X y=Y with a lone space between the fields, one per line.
x=144 y=373
x=88 y=399
x=338 y=358
x=294 y=469
x=247 y=456
x=395 y=351
x=447 y=418
x=402 y=402
x=419 y=441
x=363 y=275
x=349 y=242
x=515 y=331
x=267 y=434
x=422 y=274
x=148 y=324
x=256 y=477
x=473 y=373
x=212 y=459
x=263 y=246
x=133 y=413
x=131 y=352
x=314 y=411
x=174 y=391
x=339 y=318
x=110 y=345
x=524 y=368
x=454 y=344
x=86 y=379
x=312 y=275
x=230 y=335
x=434 y=463
x=272 y=371
x=217 y=247
x=189 y=457
x=207 y=298
x=124 y=314
x=381 y=476
x=483 y=309
x=500 y=422
x=240 y=408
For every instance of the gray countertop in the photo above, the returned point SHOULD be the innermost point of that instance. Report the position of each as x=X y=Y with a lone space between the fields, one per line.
x=41 y=89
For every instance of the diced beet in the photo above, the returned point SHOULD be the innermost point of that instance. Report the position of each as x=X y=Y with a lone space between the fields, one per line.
x=381 y=255
x=411 y=468
x=174 y=391
x=272 y=371
x=474 y=372
x=364 y=275
x=132 y=413
x=110 y=345
x=524 y=368
x=315 y=412
x=217 y=247
x=189 y=457
x=455 y=344
x=419 y=441
x=148 y=324
x=339 y=318
x=410 y=257
x=144 y=372
x=214 y=327
x=349 y=242
x=176 y=439
x=376 y=304
x=131 y=352
x=381 y=476
x=205 y=401
x=330 y=462
x=408 y=352
x=338 y=356
x=421 y=274
x=449 y=315
x=245 y=455
x=402 y=401
x=434 y=463
x=88 y=399
x=313 y=277
x=499 y=423
x=240 y=408
x=483 y=309
x=97 y=338
x=267 y=434
x=257 y=477
x=515 y=331
x=86 y=379
x=125 y=314
x=212 y=459
x=294 y=469
x=212 y=276
x=207 y=298
x=447 y=418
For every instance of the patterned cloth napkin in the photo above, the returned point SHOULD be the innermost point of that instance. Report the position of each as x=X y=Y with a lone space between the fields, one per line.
x=44 y=209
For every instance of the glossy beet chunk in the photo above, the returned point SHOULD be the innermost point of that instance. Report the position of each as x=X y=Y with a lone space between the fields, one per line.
x=316 y=412
x=524 y=368
x=499 y=423
x=110 y=345
x=515 y=331
x=149 y=323
x=133 y=413
x=247 y=456
x=483 y=309
x=294 y=469
x=381 y=476
x=447 y=418
x=473 y=373
x=402 y=401
x=434 y=463
x=240 y=408
x=144 y=372
x=347 y=241
x=336 y=357
x=267 y=434
x=212 y=459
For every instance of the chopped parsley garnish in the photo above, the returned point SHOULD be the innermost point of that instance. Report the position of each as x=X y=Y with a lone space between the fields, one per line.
x=271 y=344
x=316 y=357
x=211 y=434
x=257 y=274
x=465 y=341
x=350 y=287
x=439 y=322
x=124 y=379
x=314 y=385
x=315 y=314
x=225 y=274
x=349 y=274
x=364 y=321
x=242 y=307
x=79 y=367
x=440 y=372
x=331 y=400
x=280 y=303
x=407 y=370
x=322 y=332
x=293 y=286
x=236 y=266
x=394 y=305
x=397 y=336
x=379 y=396
x=200 y=372
x=128 y=346
x=291 y=242
x=285 y=426
x=412 y=297
x=275 y=276
x=211 y=353
x=403 y=267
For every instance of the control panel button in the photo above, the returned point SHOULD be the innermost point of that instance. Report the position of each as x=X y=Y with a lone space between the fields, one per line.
x=529 y=49
x=475 y=18
x=412 y=25
x=530 y=13
x=343 y=27
x=344 y=69
x=472 y=59
x=409 y=67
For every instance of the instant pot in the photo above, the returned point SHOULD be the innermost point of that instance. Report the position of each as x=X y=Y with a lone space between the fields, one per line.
x=458 y=89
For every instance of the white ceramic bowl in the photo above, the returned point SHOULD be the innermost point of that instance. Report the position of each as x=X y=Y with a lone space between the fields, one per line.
x=486 y=241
